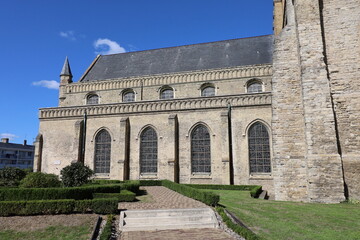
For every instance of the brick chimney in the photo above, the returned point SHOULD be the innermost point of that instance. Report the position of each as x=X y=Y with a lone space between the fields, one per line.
x=5 y=140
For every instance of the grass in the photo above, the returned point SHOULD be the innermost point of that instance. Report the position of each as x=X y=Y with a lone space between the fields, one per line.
x=50 y=233
x=277 y=220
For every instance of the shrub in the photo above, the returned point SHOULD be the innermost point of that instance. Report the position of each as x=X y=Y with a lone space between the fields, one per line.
x=9 y=208
x=77 y=193
x=242 y=231
x=11 y=177
x=75 y=174
x=104 y=205
x=132 y=186
x=40 y=180
x=208 y=198
x=255 y=190
x=123 y=196
x=104 y=181
x=106 y=233
x=150 y=183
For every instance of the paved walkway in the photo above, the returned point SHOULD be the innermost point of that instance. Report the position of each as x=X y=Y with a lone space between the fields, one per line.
x=159 y=197
x=162 y=198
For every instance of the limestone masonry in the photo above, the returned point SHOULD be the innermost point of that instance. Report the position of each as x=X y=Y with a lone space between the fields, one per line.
x=279 y=111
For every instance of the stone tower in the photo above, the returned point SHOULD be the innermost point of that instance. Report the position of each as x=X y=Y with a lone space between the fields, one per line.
x=65 y=78
x=316 y=100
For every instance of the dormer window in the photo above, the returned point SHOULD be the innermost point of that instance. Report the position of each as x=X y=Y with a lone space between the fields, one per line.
x=92 y=99
x=166 y=92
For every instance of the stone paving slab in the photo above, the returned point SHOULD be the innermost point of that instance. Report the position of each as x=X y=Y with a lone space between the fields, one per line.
x=179 y=234
x=163 y=198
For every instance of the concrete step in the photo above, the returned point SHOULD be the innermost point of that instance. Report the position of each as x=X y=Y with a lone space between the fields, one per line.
x=162 y=219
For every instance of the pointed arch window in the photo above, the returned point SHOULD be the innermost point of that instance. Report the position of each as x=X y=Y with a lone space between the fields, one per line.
x=200 y=150
x=259 y=149
x=148 y=151
x=92 y=99
x=102 y=152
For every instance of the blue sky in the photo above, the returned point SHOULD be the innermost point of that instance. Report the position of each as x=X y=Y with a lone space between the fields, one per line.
x=36 y=36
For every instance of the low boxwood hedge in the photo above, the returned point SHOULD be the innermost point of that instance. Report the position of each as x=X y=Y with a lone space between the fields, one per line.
x=123 y=196
x=255 y=190
x=60 y=206
x=106 y=232
x=242 y=231
x=77 y=193
x=150 y=182
x=208 y=198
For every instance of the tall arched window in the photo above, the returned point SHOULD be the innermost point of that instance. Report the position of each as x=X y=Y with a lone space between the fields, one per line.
x=129 y=96
x=92 y=99
x=259 y=149
x=102 y=152
x=200 y=150
x=148 y=151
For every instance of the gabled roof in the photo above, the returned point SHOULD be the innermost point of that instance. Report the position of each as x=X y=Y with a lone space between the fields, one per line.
x=221 y=54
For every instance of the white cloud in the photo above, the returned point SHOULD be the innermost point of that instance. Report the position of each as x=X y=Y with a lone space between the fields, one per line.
x=68 y=34
x=106 y=46
x=51 y=84
x=8 y=135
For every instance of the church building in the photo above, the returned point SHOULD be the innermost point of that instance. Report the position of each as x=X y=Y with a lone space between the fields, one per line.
x=281 y=111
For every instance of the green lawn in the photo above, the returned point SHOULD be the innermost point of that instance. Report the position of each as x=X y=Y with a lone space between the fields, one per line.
x=50 y=233
x=292 y=220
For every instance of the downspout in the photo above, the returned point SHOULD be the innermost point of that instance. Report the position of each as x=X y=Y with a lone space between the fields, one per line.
x=231 y=165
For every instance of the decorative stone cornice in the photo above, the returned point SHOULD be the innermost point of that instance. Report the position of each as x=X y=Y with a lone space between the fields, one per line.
x=240 y=100
x=173 y=78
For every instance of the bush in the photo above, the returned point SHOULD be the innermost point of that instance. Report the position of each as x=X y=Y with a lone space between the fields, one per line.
x=104 y=205
x=123 y=196
x=40 y=180
x=208 y=198
x=75 y=174
x=104 y=181
x=11 y=177
x=242 y=231
x=150 y=182
x=255 y=190
x=106 y=233
x=9 y=208
x=77 y=193
x=132 y=186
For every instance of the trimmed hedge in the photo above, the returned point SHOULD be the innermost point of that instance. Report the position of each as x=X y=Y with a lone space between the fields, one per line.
x=62 y=206
x=150 y=182
x=131 y=185
x=106 y=233
x=255 y=190
x=77 y=193
x=105 y=181
x=208 y=198
x=123 y=196
x=242 y=231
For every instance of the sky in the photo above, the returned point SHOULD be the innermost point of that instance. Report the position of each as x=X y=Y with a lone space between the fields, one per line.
x=36 y=36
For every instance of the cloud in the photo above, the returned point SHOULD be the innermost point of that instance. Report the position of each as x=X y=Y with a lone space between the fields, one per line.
x=51 y=84
x=8 y=135
x=68 y=34
x=106 y=46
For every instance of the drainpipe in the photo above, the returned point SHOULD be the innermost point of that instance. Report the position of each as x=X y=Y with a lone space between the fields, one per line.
x=231 y=165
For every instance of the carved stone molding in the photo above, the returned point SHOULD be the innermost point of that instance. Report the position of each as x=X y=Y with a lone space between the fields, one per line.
x=159 y=105
x=173 y=78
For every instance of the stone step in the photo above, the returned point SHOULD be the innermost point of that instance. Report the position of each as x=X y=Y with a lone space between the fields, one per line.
x=168 y=212
x=162 y=219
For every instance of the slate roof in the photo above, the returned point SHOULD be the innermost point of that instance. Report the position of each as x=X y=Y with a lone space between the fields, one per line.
x=66 y=70
x=16 y=146
x=221 y=54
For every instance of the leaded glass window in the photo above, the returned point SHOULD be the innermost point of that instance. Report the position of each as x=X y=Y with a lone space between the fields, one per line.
x=129 y=96
x=148 y=151
x=102 y=152
x=259 y=149
x=92 y=99
x=167 y=94
x=208 y=92
x=200 y=150
x=254 y=87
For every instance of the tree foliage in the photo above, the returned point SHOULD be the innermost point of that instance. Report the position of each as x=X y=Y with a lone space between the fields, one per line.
x=75 y=174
